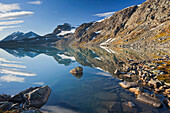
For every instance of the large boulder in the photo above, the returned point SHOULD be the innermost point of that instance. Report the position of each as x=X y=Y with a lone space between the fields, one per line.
x=19 y=98
x=148 y=99
x=77 y=70
x=38 y=97
x=33 y=97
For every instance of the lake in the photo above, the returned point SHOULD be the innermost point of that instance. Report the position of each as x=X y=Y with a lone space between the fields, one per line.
x=96 y=91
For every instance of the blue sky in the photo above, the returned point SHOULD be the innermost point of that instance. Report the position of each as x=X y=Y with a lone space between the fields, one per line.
x=42 y=16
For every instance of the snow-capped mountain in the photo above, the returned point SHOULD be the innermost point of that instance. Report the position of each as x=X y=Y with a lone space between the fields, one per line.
x=20 y=35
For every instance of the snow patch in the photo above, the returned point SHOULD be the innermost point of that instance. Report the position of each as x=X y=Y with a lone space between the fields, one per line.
x=66 y=32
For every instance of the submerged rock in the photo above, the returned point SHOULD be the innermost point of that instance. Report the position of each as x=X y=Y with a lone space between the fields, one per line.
x=130 y=104
x=78 y=69
x=167 y=103
x=128 y=84
x=146 y=98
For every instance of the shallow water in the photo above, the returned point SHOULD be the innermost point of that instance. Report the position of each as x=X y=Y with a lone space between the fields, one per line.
x=96 y=91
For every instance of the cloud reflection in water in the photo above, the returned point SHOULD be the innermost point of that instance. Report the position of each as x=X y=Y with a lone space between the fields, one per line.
x=9 y=73
x=11 y=78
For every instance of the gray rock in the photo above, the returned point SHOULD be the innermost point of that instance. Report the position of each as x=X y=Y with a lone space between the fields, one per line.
x=19 y=98
x=38 y=97
x=146 y=98
x=5 y=97
x=6 y=106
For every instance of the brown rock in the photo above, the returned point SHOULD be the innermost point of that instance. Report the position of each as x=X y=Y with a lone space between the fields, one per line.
x=77 y=70
x=136 y=90
x=128 y=84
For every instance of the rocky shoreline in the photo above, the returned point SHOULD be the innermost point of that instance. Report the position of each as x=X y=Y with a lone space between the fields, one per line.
x=149 y=79
x=27 y=101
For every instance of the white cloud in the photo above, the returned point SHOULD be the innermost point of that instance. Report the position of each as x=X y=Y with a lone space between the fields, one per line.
x=14 y=15
x=107 y=14
x=8 y=7
x=6 y=27
x=11 y=22
x=38 y=2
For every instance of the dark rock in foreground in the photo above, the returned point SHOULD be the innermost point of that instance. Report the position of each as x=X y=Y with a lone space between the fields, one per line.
x=26 y=100
x=5 y=97
x=38 y=97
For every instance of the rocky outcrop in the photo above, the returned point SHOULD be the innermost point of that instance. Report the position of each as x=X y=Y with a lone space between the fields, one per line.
x=28 y=100
x=145 y=24
x=64 y=27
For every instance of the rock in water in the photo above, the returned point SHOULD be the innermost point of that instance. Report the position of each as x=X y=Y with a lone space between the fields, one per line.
x=77 y=70
x=19 y=98
x=38 y=97
x=167 y=103
x=146 y=98
x=128 y=84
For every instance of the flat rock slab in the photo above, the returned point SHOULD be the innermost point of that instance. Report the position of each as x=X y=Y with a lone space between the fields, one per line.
x=146 y=98
x=127 y=85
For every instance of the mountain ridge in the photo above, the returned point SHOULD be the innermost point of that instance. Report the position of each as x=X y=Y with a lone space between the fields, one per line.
x=147 y=24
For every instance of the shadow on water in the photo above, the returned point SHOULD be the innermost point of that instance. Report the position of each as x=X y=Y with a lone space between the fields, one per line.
x=92 y=94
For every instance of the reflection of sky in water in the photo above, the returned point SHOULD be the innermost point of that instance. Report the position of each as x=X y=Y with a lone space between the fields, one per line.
x=95 y=91
x=10 y=73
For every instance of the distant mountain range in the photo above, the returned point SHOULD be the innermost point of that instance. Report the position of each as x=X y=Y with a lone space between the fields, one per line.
x=20 y=36
x=147 y=24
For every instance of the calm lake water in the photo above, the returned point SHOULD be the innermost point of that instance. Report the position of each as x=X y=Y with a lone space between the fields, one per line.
x=96 y=91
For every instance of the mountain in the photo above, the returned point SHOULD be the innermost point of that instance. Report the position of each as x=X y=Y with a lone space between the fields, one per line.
x=20 y=39
x=147 y=24
x=20 y=36
x=144 y=24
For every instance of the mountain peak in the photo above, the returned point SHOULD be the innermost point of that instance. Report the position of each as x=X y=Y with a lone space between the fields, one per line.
x=20 y=35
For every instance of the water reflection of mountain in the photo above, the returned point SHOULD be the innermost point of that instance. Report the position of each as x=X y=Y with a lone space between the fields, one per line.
x=62 y=57
x=103 y=58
